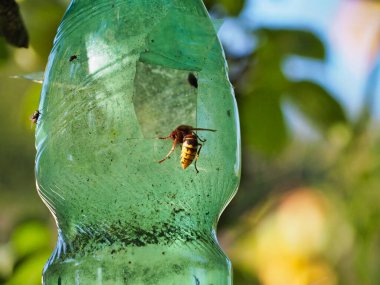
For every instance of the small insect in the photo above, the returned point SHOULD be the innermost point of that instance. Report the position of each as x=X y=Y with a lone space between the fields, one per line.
x=73 y=57
x=185 y=136
x=193 y=81
x=34 y=117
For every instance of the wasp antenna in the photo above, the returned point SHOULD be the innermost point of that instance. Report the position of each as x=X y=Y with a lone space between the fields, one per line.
x=201 y=129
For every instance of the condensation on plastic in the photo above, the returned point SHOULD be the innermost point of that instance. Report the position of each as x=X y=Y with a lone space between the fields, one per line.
x=116 y=79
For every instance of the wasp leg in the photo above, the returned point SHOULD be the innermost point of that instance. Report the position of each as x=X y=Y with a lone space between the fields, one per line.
x=170 y=152
x=164 y=138
x=202 y=140
x=196 y=158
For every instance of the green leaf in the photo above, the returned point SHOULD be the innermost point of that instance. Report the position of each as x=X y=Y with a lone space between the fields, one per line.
x=42 y=19
x=264 y=86
x=233 y=7
x=297 y=42
x=29 y=272
x=29 y=238
x=262 y=122
x=322 y=110
x=4 y=54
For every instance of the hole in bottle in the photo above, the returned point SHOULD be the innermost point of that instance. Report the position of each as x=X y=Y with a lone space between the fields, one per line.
x=163 y=99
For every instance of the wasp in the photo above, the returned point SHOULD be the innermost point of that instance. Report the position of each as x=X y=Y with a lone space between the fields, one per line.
x=190 y=147
x=34 y=117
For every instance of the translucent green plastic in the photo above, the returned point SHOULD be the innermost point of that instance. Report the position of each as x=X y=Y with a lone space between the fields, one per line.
x=116 y=80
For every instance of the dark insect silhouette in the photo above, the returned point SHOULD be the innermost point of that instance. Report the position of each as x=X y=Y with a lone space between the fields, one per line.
x=11 y=25
x=73 y=57
x=192 y=80
x=35 y=116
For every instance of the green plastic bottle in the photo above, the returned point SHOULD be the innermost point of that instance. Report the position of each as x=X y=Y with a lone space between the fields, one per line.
x=121 y=74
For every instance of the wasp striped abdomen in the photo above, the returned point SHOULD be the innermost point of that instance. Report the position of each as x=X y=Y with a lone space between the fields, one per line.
x=189 y=150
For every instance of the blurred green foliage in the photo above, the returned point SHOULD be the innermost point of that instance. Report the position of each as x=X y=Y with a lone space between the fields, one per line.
x=3 y=51
x=232 y=7
x=26 y=232
x=25 y=254
x=31 y=244
x=341 y=165
x=265 y=87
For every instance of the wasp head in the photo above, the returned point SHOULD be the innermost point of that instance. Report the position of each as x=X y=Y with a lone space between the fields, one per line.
x=174 y=134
